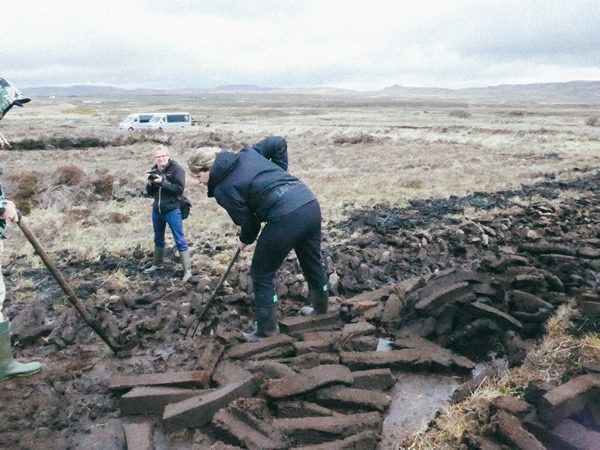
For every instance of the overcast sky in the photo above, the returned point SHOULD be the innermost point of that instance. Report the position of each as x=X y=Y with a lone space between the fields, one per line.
x=354 y=44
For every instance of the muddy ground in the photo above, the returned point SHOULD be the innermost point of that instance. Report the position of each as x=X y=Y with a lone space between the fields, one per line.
x=69 y=403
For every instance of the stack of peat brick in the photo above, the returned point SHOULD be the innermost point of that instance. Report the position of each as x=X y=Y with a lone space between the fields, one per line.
x=320 y=383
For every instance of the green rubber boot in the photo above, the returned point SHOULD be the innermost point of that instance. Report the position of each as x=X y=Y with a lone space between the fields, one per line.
x=8 y=366
x=186 y=262
x=159 y=256
x=266 y=319
x=319 y=299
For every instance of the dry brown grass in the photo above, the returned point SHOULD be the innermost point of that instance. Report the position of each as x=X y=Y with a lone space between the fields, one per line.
x=348 y=155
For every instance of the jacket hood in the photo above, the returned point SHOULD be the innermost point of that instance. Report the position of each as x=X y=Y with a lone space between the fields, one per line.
x=224 y=164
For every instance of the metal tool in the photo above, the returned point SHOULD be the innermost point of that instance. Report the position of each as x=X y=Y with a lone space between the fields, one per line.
x=208 y=303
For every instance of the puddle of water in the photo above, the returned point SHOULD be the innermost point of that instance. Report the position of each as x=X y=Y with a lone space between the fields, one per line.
x=384 y=345
x=415 y=400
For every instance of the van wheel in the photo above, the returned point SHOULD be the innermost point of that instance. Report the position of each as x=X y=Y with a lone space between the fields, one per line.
x=130 y=129
x=160 y=130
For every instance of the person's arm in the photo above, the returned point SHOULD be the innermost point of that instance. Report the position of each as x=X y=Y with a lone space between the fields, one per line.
x=274 y=148
x=177 y=183
x=3 y=204
x=9 y=212
x=241 y=215
x=151 y=189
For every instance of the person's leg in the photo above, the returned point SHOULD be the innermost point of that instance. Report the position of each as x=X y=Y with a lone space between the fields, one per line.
x=159 y=225
x=2 y=293
x=273 y=245
x=176 y=225
x=308 y=246
x=175 y=222
x=308 y=251
x=8 y=366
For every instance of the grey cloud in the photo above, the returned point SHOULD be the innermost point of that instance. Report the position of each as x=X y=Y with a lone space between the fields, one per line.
x=283 y=43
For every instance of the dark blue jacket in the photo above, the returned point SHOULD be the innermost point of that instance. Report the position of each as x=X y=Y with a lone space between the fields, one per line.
x=274 y=148
x=166 y=194
x=254 y=187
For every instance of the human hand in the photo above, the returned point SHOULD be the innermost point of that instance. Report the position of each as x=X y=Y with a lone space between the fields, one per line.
x=10 y=212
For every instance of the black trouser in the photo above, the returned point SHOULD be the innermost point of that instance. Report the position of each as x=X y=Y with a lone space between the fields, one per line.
x=299 y=230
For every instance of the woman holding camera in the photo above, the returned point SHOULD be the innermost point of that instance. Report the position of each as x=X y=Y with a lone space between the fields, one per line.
x=166 y=183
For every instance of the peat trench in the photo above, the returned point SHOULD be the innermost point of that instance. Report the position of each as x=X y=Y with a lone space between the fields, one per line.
x=443 y=294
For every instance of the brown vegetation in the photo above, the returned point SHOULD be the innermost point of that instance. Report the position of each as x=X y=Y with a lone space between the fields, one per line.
x=592 y=121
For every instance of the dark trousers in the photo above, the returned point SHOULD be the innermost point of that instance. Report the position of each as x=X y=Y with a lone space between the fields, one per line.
x=299 y=230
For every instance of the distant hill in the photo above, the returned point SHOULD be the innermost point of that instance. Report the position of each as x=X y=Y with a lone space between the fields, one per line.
x=84 y=90
x=587 y=92
x=572 y=91
x=582 y=90
x=241 y=88
x=90 y=90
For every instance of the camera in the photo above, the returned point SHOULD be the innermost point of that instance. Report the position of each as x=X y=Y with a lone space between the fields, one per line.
x=152 y=174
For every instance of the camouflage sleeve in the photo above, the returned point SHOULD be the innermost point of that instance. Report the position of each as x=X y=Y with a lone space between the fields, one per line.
x=3 y=201
x=5 y=103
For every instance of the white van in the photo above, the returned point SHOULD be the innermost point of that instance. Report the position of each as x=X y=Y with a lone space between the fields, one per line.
x=170 y=121
x=136 y=121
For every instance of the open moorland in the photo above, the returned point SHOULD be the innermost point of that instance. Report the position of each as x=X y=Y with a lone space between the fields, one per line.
x=458 y=232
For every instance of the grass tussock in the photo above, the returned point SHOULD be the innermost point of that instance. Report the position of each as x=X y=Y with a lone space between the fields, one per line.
x=460 y=113
x=22 y=187
x=592 y=341
x=355 y=138
x=81 y=110
x=68 y=175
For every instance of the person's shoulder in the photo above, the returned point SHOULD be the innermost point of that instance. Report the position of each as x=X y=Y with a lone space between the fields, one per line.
x=175 y=164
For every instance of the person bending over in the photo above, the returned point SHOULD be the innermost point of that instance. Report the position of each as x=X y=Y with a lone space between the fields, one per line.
x=254 y=187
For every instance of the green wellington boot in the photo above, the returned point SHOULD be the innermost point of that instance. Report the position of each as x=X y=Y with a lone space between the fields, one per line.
x=8 y=366
x=159 y=256
x=186 y=262
x=266 y=319
x=319 y=299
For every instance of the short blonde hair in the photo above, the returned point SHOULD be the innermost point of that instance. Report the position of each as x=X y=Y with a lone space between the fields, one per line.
x=162 y=148
x=203 y=158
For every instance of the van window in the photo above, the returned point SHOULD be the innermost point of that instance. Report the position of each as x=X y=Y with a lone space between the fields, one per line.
x=156 y=118
x=178 y=117
x=145 y=118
